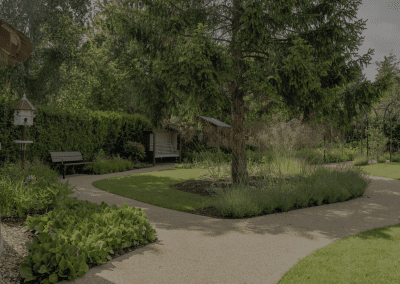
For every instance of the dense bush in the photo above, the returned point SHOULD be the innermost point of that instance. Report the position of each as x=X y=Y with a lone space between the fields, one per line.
x=135 y=151
x=251 y=147
x=226 y=149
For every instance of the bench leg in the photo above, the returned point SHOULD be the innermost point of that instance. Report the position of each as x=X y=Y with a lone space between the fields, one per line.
x=65 y=168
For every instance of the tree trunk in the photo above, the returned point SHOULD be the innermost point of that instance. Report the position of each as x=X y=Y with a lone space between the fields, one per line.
x=239 y=161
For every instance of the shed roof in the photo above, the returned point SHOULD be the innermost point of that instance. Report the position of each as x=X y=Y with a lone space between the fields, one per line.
x=212 y=120
x=215 y=121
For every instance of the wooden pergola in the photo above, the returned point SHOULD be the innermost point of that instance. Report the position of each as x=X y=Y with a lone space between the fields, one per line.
x=15 y=47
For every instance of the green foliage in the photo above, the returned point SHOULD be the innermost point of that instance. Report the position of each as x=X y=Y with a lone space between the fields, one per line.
x=23 y=196
x=111 y=166
x=226 y=150
x=104 y=90
x=163 y=60
x=385 y=67
x=135 y=151
x=307 y=76
x=264 y=199
x=54 y=34
x=100 y=155
x=85 y=243
x=250 y=147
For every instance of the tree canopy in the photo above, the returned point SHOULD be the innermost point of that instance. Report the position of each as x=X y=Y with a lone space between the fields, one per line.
x=42 y=20
x=174 y=57
x=306 y=70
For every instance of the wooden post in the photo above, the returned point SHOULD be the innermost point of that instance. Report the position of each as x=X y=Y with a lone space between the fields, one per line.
x=154 y=148
x=22 y=146
x=180 y=148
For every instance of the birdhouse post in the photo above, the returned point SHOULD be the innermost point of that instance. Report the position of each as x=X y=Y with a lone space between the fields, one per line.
x=23 y=115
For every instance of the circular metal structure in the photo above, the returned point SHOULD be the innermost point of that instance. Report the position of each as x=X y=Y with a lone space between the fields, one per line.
x=15 y=47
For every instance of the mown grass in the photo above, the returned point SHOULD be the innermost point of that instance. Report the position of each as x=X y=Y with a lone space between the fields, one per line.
x=315 y=185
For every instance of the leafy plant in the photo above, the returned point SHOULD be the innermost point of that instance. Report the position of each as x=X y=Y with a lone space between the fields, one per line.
x=100 y=155
x=98 y=230
x=134 y=150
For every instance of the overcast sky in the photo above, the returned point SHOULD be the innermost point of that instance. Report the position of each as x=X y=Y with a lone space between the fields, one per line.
x=381 y=33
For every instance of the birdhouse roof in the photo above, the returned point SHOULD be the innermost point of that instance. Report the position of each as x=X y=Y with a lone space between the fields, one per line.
x=24 y=104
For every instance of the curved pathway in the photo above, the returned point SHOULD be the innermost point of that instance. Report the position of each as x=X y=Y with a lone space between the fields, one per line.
x=197 y=249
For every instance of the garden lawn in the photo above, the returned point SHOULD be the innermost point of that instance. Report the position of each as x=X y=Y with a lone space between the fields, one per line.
x=386 y=170
x=154 y=188
x=370 y=257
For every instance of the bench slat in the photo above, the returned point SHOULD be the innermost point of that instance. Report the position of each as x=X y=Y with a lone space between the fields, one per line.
x=165 y=150
x=166 y=155
x=83 y=163
x=66 y=156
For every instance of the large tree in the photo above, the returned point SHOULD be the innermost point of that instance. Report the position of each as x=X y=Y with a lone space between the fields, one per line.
x=306 y=70
x=92 y=84
x=389 y=97
x=388 y=65
x=113 y=46
x=42 y=20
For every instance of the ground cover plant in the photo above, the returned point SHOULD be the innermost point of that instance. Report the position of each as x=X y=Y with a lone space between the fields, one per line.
x=33 y=196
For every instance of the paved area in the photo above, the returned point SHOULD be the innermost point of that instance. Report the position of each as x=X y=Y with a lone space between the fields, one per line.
x=196 y=249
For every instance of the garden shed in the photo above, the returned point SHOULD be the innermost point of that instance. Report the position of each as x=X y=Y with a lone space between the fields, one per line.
x=216 y=132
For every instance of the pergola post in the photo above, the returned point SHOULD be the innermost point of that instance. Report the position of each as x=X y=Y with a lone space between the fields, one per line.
x=180 y=148
x=154 y=148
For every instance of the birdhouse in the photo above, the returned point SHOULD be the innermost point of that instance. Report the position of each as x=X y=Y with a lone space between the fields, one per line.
x=23 y=114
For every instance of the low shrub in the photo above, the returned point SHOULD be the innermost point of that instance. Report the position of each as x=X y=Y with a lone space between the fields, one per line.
x=58 y=253
x=251 y=147
x=225 y=150
x=135 y=151
x=75 y=249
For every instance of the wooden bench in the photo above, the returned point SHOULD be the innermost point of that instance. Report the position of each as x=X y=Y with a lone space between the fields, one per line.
x=166 y=150
x=62 y=157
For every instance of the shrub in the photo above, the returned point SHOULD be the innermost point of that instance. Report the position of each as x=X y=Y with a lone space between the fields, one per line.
x=100 y=155
x=188 y=156
x=251 y=147
x=226 y=150
x=135 y=151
